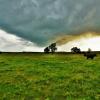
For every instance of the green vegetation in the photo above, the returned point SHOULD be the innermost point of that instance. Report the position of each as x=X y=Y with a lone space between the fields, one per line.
x=30 y=76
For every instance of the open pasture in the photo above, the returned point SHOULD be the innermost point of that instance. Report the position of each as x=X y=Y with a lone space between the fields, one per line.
x=38 y=76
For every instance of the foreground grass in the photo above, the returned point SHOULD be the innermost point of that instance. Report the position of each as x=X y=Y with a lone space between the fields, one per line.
x=49 y=77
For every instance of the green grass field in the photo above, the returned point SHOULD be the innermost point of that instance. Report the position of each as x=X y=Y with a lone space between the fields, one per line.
x=30 y=76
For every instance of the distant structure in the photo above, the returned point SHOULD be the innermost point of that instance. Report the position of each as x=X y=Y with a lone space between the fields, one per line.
x=76 y=50
x=90 y=54
x=51 y=48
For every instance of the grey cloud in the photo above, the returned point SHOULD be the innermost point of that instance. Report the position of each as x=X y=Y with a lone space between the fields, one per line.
x=41 y=21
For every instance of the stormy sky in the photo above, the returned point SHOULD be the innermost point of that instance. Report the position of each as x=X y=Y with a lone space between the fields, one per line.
x=43 y=21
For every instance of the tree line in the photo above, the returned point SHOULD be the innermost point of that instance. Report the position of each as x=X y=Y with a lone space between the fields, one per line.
x=53 y=48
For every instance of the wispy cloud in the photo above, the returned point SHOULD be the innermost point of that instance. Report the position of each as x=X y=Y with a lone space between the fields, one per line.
x=13 y=43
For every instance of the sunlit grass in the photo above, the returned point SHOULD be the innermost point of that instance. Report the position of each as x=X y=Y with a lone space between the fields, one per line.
x=49 y=77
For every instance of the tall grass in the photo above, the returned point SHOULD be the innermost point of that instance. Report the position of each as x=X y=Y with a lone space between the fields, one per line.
x=49 y=77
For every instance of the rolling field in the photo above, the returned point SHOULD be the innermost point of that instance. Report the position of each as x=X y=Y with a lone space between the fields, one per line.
x=30 y=76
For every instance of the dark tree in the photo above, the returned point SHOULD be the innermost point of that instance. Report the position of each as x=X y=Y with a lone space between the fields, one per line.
x=89 y=50
x=53 y=47
x=47 y=50
x=75 y=50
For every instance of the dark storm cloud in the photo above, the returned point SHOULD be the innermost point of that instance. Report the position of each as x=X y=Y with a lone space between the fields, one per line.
x=41 y=21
